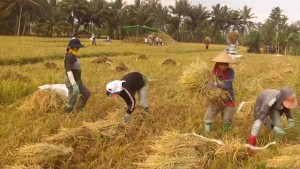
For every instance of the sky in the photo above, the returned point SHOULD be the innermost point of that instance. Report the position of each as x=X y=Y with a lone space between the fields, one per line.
x=260 y=8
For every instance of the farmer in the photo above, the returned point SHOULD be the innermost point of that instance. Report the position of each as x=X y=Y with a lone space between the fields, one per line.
x=207 y=41
x=73 y=79
x=226 y=75
x=93 y=38
x=270 y=104
x=126 y=88
x=233 y=43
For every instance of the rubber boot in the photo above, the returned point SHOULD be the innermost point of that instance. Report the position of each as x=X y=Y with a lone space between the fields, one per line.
x=207 y=128
x=252 y=141
x=226 y=128
x=68 y=108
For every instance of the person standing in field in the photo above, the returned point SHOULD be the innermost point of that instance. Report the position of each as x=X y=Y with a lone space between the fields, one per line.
x=126 y=88
x=73 y=79
x=225 y=75
x=207 y=41
x=233 y=40
x=269 y=106
x=93 y=40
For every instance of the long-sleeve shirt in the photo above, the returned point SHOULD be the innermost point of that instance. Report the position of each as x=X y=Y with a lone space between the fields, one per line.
x=134 y=81
x=267 y=102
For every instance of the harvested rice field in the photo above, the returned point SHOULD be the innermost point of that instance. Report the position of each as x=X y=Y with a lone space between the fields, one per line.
x=36 y=133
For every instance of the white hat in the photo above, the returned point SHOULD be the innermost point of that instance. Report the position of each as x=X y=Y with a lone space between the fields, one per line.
x=114 y=86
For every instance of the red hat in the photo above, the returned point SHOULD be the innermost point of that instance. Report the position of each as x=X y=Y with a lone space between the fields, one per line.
x=290 y=102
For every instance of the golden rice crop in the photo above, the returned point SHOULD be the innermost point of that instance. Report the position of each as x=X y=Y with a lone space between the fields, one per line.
x=23 y=167
x=174 y=150
x=43 y=101
x=291 y=161
x=102 y=128
x=234 y=151
x=194 y=79
x=43 y=154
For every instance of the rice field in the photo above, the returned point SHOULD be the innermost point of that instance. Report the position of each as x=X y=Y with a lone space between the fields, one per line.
x=34 y=134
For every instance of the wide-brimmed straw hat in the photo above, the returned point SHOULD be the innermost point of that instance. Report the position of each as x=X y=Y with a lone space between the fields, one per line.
x=223 y=58
x=290 y=102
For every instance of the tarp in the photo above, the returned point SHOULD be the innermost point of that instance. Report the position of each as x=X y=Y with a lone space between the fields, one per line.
x=131 y=28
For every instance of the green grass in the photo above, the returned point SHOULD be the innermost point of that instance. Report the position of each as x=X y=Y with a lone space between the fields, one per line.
x=171 y=108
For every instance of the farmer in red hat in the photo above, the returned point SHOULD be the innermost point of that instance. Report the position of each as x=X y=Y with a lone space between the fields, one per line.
x=126 y=88
x=226 y=75
x=269 y=106
x=73 y=79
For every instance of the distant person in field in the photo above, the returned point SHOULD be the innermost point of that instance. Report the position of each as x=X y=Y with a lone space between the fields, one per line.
x=73 y=79
x=233 y=40
x=226 y=75
x=207 y=41
x=93 y=38
x=269 y=106
x=126 y=88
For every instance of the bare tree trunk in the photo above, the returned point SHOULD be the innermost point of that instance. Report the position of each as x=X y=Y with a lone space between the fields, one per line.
x=16 y=28
x=19 y=24
x=24 y=27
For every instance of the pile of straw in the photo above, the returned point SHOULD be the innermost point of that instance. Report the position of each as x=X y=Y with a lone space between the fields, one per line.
x=121 y=67
x=23 y=167
x=142 y=57
x=103 y=128
x=170 y=62
x=194 y=79
x=174 y=150
x=13 y=76
x=43 y=154
x=289 y=158
x=51 y=65
x=233 y=37
x=233 y=151
x=102 y=60
x=43 y=101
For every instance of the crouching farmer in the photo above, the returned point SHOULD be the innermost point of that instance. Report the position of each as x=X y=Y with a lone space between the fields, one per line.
x=269 y=106
x=126 y=88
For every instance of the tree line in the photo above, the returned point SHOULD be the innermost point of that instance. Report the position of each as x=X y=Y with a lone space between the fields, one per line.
x=182 y=21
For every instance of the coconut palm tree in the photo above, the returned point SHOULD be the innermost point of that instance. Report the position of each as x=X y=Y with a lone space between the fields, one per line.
x=77 y=12
x=245 y=23
x=24 y=7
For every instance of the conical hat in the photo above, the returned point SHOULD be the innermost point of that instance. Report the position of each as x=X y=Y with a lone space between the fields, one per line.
x=223 y=58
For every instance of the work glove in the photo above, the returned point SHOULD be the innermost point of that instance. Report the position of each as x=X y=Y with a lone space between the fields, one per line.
x=278 y=131
x=75 y=89
x=68 y=108
x=126 y=118
x=211 y=85
x=290 y=124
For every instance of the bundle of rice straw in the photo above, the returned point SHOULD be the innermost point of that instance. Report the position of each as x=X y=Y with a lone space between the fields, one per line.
x=234 y=151
x=207 y=40
x=23 y=167
x=104 y=128
x=233 y=37
x=43 y=101
x=194 y=79
x=43 y=154
x=289 y=158
x=174 y=150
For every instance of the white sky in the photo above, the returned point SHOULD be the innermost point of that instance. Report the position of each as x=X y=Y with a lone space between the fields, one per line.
x=260 y=8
